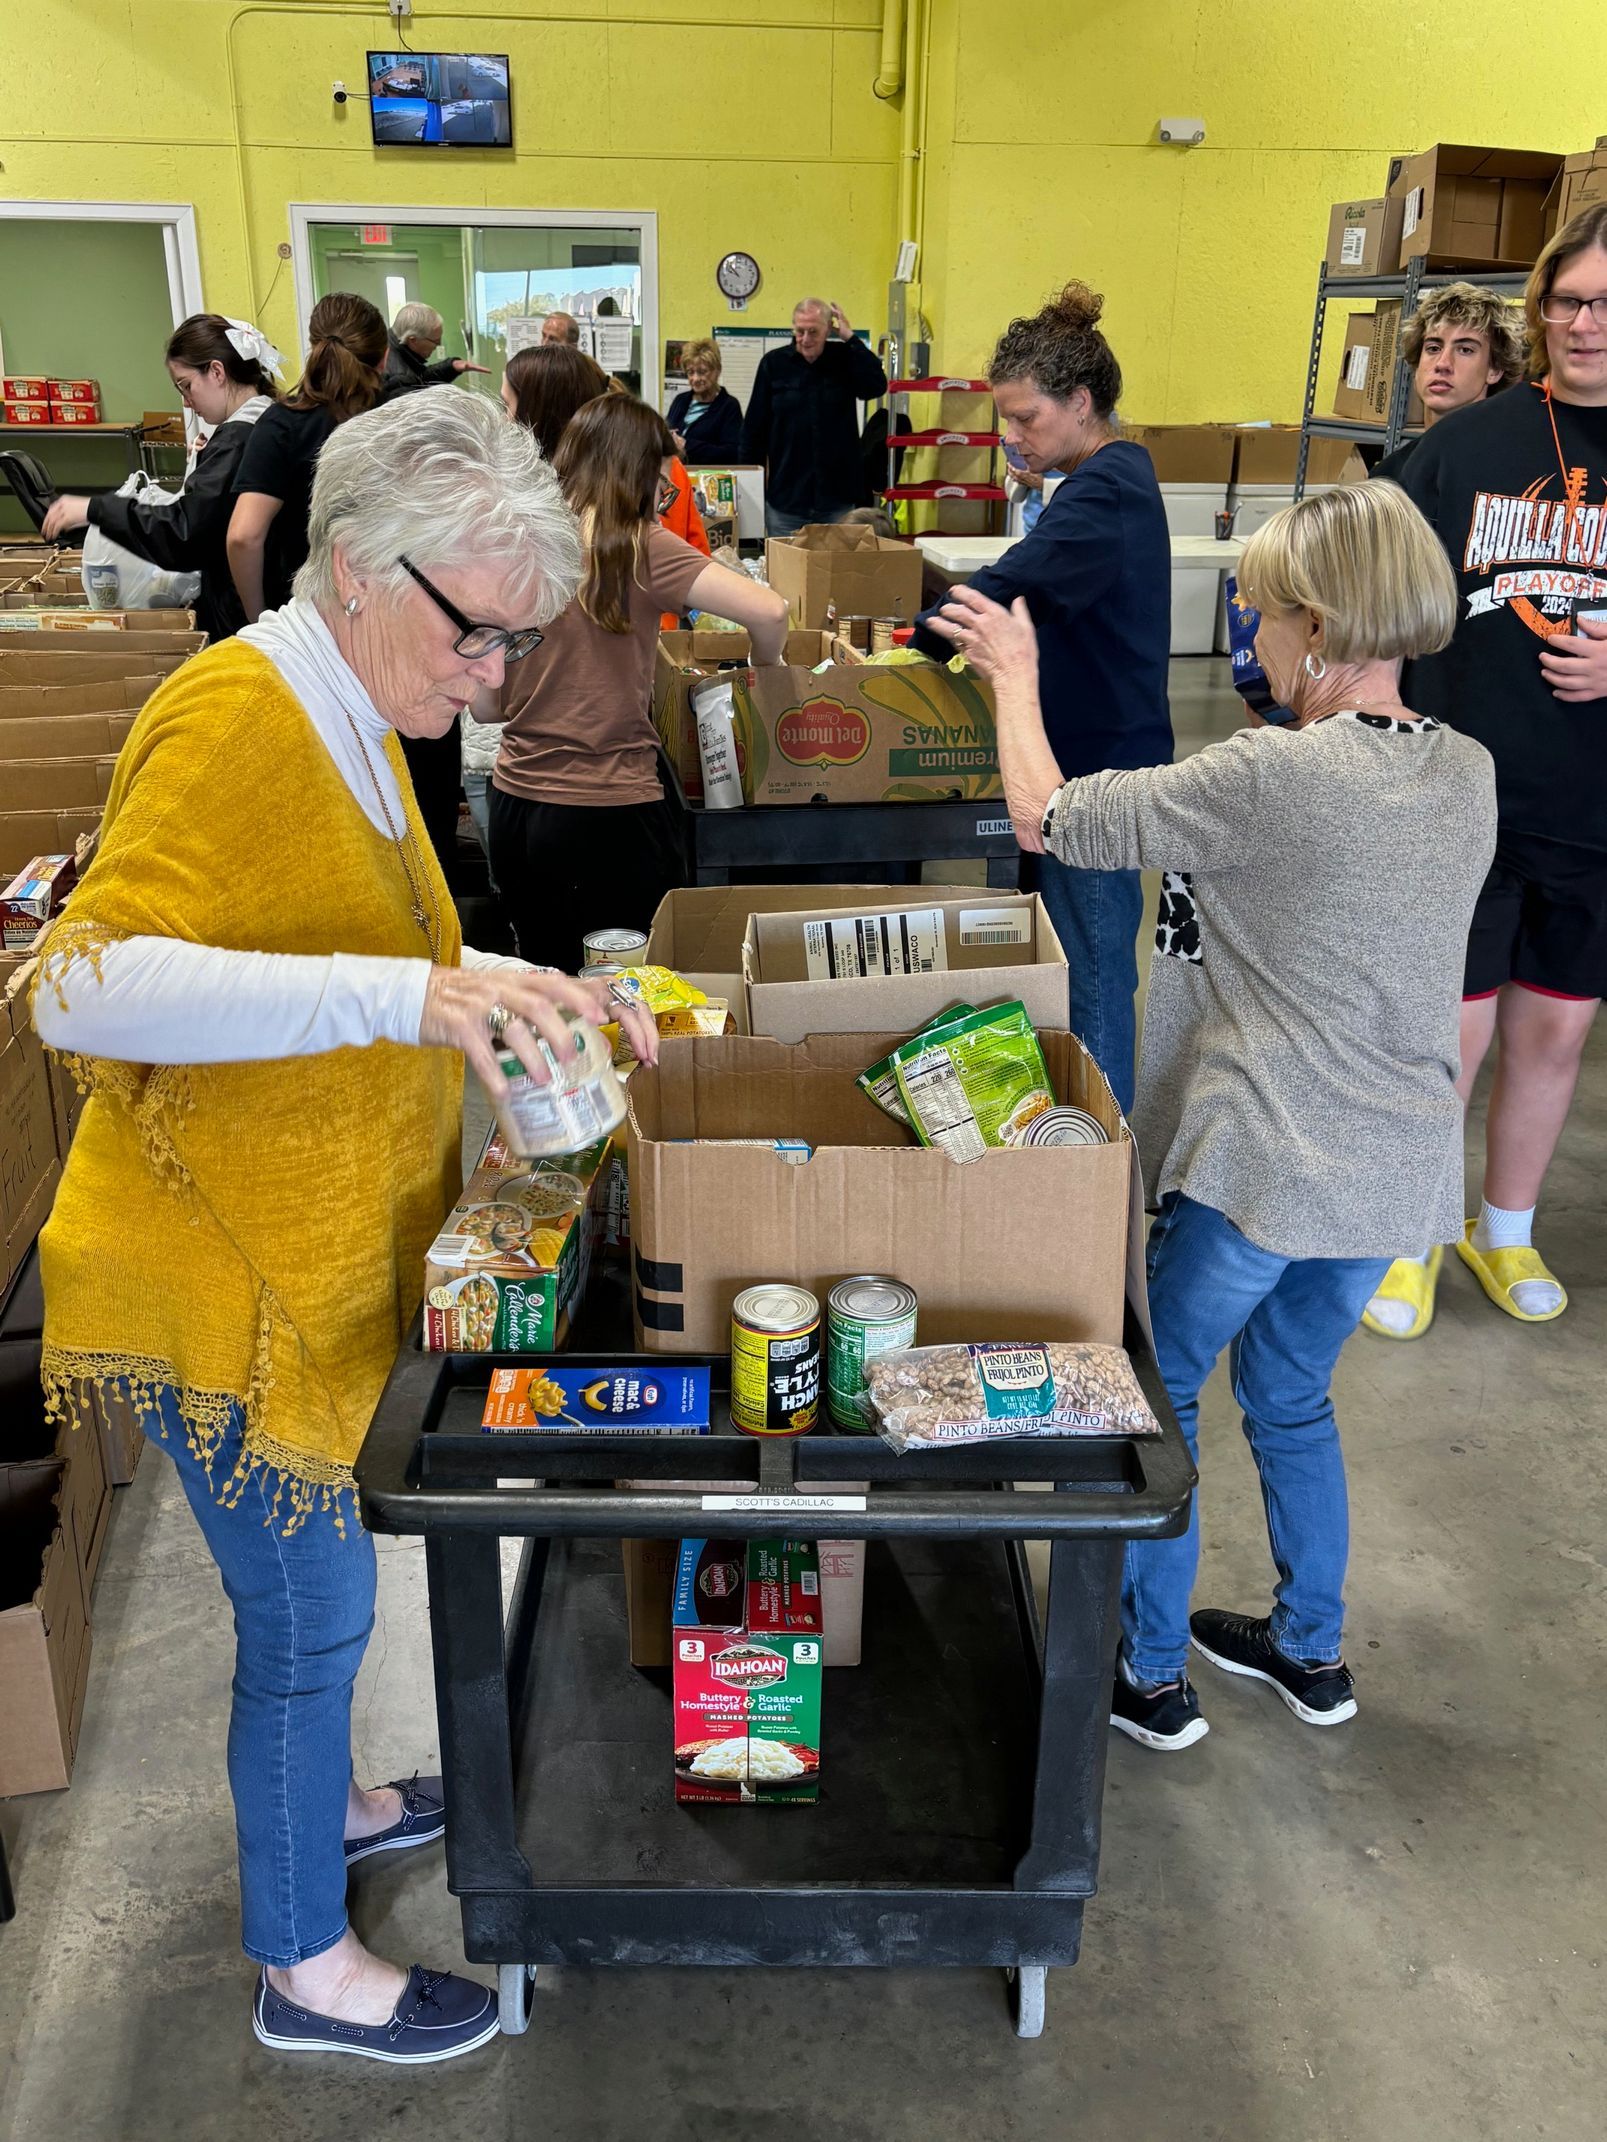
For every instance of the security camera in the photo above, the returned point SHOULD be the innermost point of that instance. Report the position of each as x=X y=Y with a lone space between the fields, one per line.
x=1184 y=133
x=339 y=92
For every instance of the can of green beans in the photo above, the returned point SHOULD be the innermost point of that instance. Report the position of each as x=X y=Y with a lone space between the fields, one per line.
x=865 y=1316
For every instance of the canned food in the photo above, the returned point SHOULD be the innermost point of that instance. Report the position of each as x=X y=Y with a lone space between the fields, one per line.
x=1064 y=1126
x=855 y=630
x=865 y=1316
x=881 y=634
x=775 y=1360
x=581 y=1102
x=618 y=948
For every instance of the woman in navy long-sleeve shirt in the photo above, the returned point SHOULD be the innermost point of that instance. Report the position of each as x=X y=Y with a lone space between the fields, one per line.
x=706 y=420
x=1096 y=575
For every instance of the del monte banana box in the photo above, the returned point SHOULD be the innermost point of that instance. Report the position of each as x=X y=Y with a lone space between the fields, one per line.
x=825 y=727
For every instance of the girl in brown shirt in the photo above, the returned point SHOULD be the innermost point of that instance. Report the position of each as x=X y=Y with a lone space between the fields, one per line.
x=583 y=836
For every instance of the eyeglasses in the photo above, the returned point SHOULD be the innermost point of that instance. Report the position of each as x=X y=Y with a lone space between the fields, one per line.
x=668 y=493
x=476 y=641
x=1559 y=308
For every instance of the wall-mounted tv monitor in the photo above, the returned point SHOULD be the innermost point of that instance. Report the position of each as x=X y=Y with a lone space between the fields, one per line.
x=440 y=100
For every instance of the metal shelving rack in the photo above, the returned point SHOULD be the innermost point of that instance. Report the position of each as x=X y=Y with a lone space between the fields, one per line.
x=1408 y=287
x=899 y=392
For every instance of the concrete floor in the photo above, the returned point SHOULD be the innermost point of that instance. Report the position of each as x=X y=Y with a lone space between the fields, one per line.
x=1387 y=1933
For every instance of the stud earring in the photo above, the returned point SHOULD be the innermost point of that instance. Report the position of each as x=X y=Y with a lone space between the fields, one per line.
x=351 y=611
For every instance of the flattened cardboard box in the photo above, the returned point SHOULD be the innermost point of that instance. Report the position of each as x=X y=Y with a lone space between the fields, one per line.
x=64 y=736
x=30 y=702
x=28 y=1164
x=999 y=945
x=73 y=664
x=56 y=784
x=708 y=1220
x=24 y=834
x=44 y=1632
x=853 y=569
x=848 y=732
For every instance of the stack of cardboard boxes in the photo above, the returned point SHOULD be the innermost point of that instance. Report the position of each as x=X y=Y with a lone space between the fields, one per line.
x=33 y=399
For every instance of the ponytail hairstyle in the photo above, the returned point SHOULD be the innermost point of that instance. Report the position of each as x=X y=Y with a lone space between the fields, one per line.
x=1061 y=349
x=347 y=348
x=203 y=339
x=608 y=462
x=550 y=381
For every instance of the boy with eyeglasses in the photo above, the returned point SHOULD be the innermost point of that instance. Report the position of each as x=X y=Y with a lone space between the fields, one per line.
x=1516 y=488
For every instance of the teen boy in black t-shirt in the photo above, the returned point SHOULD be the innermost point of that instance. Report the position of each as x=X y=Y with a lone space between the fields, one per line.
x=1517 y=489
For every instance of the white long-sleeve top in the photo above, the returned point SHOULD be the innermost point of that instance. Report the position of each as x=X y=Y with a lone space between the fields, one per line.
x=162 y=1000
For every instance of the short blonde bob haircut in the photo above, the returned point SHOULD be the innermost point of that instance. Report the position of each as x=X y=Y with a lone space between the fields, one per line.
x=702 y=350
x=1366 y=562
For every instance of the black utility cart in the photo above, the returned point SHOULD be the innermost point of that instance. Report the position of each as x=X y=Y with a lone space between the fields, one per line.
x=962 y=1764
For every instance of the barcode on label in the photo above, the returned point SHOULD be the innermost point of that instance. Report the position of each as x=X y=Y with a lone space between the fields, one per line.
x=1353 y=246
x=995 y=926
x=449 y=1248
x=808 y=1583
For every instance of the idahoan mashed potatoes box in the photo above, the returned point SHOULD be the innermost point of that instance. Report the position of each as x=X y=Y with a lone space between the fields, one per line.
x=748 y=1653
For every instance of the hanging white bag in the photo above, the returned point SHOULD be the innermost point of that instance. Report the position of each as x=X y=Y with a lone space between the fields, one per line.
x=115 y=579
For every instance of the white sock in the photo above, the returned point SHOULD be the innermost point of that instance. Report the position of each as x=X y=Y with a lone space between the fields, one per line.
x=1394 y=1315
x=1497 y=1228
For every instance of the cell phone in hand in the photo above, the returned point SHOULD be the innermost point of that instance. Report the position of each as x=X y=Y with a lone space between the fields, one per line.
x=1593 y=607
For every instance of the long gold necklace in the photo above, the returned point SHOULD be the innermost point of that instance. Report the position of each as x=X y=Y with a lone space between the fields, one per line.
x=401 y=844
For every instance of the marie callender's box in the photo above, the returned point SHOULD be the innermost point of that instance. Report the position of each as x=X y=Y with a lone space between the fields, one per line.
x=749 y=1639
x=507 y=1272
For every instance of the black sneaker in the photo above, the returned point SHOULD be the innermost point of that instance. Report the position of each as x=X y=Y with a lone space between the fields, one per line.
x=1167 y=1717
x=1239 y=1643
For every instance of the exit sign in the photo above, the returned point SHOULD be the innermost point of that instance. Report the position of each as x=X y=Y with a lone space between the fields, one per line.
x=375 y=233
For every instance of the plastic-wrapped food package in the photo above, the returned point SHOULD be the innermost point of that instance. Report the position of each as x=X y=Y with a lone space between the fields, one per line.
x=975 y=1083
x=930 y=1396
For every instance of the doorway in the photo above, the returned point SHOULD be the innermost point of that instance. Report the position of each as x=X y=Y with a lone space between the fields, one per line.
x=493 y=276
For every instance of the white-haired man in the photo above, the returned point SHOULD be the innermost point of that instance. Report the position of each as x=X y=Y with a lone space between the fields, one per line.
x=415 y=336
x=801 y=421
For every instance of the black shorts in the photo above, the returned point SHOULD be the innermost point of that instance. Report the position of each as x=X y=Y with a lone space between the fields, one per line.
x=1540 y=920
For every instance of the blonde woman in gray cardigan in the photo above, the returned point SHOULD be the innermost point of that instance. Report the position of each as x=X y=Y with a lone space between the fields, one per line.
x=1297 y=1106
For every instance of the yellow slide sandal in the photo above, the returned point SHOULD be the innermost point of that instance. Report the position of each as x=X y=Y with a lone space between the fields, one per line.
x=1414 y=1284
x=1500 y=1271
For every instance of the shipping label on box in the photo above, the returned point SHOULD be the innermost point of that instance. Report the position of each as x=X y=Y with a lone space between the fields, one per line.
x=749 y=1645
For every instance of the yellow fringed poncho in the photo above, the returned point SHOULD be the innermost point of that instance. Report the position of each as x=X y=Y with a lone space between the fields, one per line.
x=250 y=1233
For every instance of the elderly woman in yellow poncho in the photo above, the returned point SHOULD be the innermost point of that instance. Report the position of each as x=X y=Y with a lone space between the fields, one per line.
x=262 y=983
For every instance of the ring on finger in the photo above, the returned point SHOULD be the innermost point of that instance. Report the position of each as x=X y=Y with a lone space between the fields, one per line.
x=499 y=1019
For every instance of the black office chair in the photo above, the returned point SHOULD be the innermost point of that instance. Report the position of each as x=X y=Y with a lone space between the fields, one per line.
x=30 y=481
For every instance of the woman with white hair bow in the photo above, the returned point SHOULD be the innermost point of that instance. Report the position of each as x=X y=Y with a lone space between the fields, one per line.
x=261 y=982
x=225 y=371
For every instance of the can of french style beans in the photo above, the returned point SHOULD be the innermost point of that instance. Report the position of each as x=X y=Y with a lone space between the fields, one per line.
x=775 y=1360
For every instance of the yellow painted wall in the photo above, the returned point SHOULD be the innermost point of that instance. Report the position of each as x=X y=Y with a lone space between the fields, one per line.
x=759 y=131
x=1044 y=163
x=751 y=123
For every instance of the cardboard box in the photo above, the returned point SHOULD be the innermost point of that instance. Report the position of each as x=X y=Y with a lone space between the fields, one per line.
x=685 y=658
x=747 y=1672
x=509 y=1268
x=121 y=1438
x=650 y=1588
x=1581 y=183
x=850 y=571
x=81 y=677
x=1466 y=206
x=1364 y=237
x=26 y=833
x=1350 y=395
x=27 y=1438
x=1270 y=453
x=28 y=1165
x=25 y=387
x=848 y=733
x=56 y=784
x=95 y=733
x=74 y=390
x=997 y=945
x=44 y=1631
x=23 y=414
x=74 y=413
x=708 y=1220
x=1186 y=453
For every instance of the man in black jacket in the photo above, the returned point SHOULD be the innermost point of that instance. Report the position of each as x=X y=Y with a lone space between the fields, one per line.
x=415 y=337
x=801 y=421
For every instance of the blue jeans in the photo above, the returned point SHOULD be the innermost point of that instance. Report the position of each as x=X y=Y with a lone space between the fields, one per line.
x=1285 y=1320
x=303 y=1608
x=1096 y=914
